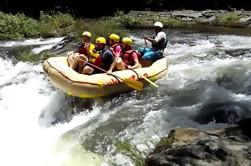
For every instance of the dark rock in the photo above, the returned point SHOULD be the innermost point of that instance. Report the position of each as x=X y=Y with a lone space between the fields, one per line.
x=215 y=149
x=203 y=147
x=228 y=112
x=245 y=126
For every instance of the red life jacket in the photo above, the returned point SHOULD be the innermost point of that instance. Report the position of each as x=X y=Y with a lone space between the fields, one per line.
x=83 y=49
x=127 y=57
x=98 y=61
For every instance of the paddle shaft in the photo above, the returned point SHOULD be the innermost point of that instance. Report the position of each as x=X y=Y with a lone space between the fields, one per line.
x=145 y=42
x=152 y=83
x=129 y=82
x=102 y=69
x=96 y=66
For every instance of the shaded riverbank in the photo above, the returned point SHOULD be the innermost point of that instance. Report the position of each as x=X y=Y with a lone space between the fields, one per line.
x=55 y=24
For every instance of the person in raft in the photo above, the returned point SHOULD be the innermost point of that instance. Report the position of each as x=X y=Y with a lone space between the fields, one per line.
x=84 y=52
x=100 y=58
x=128 y=58
x=114 y=42
x=158 y=43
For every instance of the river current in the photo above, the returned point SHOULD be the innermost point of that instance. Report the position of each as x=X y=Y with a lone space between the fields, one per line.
x=42 y=126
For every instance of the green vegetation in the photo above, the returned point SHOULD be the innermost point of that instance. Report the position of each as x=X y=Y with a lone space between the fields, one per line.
x=127 y=21
x=55 y=24
x=17 y=26
x=130 y=150
x=229 y=19
x=98 y=27
x=172 y=23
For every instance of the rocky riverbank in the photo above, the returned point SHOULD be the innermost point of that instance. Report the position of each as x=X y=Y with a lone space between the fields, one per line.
x=206 y=20
x=226 y=146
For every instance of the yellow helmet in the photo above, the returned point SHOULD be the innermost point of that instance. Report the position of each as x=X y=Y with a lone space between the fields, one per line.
x=86 y=33
x=114 y=37
x=127 y=41
x=101 y=40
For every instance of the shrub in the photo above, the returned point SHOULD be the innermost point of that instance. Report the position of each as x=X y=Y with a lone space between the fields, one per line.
x=55 y=24
x=229 y=19
x=98 y=27
x=9 y=27
x=127 y=21
x=17 y=26
x=172 y=23
x=29 y=26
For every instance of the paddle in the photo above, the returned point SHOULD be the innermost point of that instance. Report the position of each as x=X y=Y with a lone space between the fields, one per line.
x=152 y=83
x=129 y=82
x=145 y=42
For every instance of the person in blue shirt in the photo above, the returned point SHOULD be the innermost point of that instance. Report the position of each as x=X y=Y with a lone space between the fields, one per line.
x=158 y=44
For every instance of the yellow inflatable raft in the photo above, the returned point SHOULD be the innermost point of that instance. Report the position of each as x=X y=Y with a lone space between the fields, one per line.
x=97 y=85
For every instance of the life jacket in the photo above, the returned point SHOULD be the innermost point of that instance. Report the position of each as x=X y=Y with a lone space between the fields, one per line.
x=94 y=56
x=98 y=61
x=113 y=47
x=127 y=57
x=161 y=45
x=86 y=49
x=83 y=49
x=102 y=61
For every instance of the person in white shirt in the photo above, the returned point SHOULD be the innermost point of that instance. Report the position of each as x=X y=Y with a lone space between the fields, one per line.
x=158 y=44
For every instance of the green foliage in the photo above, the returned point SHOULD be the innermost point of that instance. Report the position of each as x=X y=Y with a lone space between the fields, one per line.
x=130 y=150
x=49 y=25
x=127 y=21
x=172 y=23
x=29 y=26
x=98 y=27
x=17 y=26
x=55 y=24
x=229 y=19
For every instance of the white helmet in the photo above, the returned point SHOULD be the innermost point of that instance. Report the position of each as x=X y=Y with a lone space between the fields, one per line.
x=158 y=24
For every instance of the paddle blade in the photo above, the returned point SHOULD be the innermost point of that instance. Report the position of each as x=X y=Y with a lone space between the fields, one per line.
x=152 y=83
x=134 y=84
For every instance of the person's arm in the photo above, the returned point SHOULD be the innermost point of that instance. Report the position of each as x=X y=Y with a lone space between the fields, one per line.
x=111 y=68
x=136 y=62
x=153 y=41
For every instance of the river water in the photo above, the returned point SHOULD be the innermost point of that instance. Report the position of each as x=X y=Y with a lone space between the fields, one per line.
x=42 y=126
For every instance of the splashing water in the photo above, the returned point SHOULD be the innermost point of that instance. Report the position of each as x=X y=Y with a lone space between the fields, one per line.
x=202 y=72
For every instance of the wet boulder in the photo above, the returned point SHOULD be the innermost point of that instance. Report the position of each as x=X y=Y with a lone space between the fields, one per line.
x=226 y=112
x=189 y=146
x=245 y=126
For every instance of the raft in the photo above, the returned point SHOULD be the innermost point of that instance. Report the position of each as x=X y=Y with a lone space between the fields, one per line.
x=101 y=84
